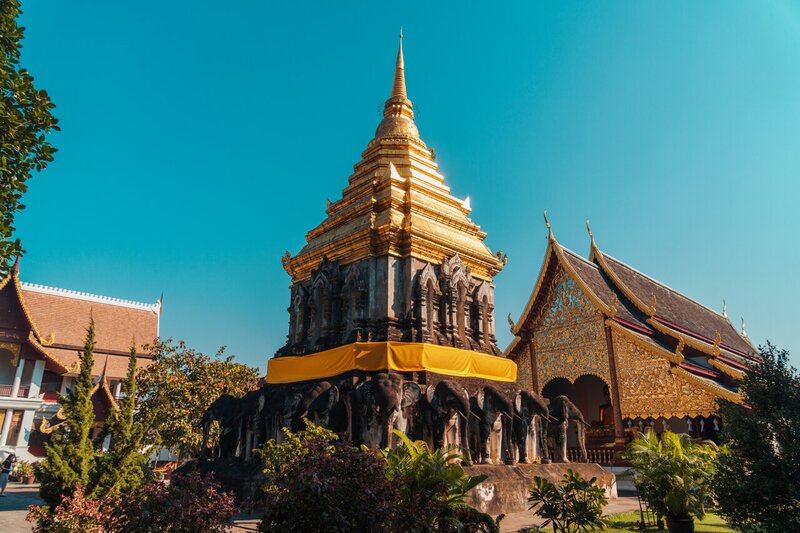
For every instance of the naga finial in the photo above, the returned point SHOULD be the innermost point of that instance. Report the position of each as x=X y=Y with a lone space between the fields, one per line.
x=549 y=229
x=724 y=308
x=511 y=323
x=653 y=302
x=744 y=333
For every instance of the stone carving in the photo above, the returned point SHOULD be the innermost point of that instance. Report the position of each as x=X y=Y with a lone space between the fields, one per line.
x=492 y=424
x=531 y=417
x=563 y=411
x=440 y=304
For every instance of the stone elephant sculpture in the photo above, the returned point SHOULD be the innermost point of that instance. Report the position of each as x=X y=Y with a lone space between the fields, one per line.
x=317 y=405
x=224 y=410
x=531 y=417
x=280 y=411
x=381 y=405
x=251 y=427
x=563 y=411
x=450 y=410
x=495 y=414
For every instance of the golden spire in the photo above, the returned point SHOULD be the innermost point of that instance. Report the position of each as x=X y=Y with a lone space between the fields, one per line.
x=399 y=85
x=398 y=112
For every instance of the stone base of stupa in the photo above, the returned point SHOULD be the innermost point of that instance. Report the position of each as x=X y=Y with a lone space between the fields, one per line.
x=506 y=490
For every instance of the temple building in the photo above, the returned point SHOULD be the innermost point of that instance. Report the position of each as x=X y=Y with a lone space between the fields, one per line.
x=397 y=258
x=628 y=350
x=41 y=331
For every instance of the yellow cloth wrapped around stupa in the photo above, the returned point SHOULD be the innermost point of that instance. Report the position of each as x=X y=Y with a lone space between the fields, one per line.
x=399 y=356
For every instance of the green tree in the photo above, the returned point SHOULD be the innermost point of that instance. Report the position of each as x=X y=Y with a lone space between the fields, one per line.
x=180 y=384
x=124 y=465
x=70 y=454
x=756 y=482
x=25 y=120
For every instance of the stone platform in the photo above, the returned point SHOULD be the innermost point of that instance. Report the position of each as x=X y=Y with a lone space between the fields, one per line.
x=506 y=490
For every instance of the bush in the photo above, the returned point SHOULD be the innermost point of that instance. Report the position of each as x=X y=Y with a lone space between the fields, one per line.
x=575 y=504
x=316 y=482
x=75 y=514
x=673 y=473
x=190 y=504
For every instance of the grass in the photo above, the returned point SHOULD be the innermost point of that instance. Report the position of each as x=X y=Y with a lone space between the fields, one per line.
x=712 y=523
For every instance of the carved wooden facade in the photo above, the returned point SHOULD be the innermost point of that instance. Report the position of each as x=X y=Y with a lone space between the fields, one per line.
x=589 y=317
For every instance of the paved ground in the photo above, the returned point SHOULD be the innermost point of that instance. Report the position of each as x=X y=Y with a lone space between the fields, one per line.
x=14 y=507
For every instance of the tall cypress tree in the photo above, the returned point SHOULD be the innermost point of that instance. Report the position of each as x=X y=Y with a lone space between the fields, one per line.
x=123 y=466
x=70 y=454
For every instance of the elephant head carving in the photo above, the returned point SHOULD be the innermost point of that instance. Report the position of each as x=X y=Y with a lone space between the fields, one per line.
x=379 y=400
x=450 y=412
x=563 y=411
x=531 y=417
x=495 y=413
x=224 y=410
x=317 y=404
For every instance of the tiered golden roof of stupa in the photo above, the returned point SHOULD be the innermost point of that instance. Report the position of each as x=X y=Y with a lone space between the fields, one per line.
x=396 y=203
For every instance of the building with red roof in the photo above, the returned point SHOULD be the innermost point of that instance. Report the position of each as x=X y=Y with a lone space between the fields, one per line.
x=42 y=329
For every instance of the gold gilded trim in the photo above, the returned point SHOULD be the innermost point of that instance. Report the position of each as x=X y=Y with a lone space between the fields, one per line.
x=735 y=373
x=14 y=348
x=707 y=385
x=35 y=343
x=710 y=349
x=642 y=342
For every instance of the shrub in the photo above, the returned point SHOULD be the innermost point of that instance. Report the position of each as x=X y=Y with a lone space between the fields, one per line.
x=756 y=481
x=22 y=469
x=190 y=503
x=75 y=514
x=315 y=482
x=575 y=504
x=432 y=487
x=673 y=473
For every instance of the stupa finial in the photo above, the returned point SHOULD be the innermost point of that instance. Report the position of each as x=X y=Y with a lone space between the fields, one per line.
x=398 y=112
x=399 y=85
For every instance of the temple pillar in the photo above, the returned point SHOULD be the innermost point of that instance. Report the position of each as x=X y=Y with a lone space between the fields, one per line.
x=25 y=429
x=36 y=379
x=619 y=431
x=17 y=378
x=6 y=426
x=532 y=358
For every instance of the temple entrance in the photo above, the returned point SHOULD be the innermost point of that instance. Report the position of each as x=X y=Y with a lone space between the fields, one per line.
x=591 y=395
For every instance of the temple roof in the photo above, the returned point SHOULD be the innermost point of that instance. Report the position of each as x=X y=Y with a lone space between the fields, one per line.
x=58 y=318
x=396 y=203
x=64 y=315
x=668 y=324
x=674 y=308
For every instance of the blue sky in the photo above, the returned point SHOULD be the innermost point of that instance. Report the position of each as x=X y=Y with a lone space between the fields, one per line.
x=200 y=141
